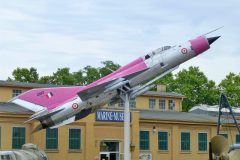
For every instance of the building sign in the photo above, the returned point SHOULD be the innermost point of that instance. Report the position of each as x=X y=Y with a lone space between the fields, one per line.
x=111 y=116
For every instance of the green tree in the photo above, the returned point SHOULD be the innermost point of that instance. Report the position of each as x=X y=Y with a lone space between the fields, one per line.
x=196 y=87
x=231 y=87
x=167 y=80
x=63 y=77
x=78 y=78
x=109 y=67
x=46 y=80
x=25 y=75
x=91 y=74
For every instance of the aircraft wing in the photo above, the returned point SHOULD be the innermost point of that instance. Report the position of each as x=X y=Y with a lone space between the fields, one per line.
x=139 y=90
x=114 y=80
x=98 y=89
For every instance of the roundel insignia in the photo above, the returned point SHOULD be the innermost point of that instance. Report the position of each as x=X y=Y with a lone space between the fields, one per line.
x=74 y=106
x=184 y=50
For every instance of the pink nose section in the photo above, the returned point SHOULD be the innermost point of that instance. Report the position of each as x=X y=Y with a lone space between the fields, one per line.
x=199 y=44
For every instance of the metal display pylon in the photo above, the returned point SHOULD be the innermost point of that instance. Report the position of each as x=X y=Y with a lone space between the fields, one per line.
x=127 y=154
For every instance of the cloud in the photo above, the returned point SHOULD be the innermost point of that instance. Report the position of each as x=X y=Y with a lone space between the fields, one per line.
x=52 y=34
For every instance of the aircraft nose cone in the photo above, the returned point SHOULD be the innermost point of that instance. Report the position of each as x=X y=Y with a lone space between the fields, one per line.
x=212 y=39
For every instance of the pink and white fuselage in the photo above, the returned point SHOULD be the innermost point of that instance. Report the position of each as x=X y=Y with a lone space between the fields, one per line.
x=58 y=106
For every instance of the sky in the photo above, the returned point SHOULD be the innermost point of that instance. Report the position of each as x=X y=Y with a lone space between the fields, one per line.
x=51 y=34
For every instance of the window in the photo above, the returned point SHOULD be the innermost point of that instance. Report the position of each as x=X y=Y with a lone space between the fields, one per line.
x=18 y=137
x=171 y=104
x=52 y=138
x=144 y=140
x=16 y=92
x=202 y=141
x=163 y=141
x=152 y=103
x=162 y=104
x=132 y=103
x=109 y=146
x=74 y=138
x=185 y=141
x=121 y=103
x=238 y=138
x=224 y=135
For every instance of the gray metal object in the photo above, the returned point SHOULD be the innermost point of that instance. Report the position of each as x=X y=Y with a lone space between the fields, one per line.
x=127 y=154
x=234 y=146
x=225 y=104
x=28 y=152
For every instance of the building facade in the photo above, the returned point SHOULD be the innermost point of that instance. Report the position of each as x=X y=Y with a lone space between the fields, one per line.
x=159 y=130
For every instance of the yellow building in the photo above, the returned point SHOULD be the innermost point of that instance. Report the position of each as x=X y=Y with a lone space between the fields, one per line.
x=159 y=129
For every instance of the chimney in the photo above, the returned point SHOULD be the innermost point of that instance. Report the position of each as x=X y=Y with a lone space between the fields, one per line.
x=161 y=88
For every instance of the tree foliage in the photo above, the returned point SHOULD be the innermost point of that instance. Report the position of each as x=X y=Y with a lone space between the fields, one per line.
x=91 y=74
x=167 y=80
x=196 y=87
x=63 y=76
x=46 y=80
x=193 y=84
x=108 y=68
x=25 y=75
x=231 y=87
x=78 y=78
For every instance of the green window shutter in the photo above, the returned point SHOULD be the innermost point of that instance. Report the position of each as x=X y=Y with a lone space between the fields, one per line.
x=0 y=137
x=144 y=140
x=18 y=137
x=238 y=138
x=52 y=138
x=202 y=141
x=163 y=141
x=185 y=141
x=74 y=138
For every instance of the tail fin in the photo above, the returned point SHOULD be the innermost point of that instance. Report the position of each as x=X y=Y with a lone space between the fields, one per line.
x=46 y=98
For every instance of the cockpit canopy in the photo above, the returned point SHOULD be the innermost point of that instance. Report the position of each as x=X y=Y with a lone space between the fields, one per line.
x=157 y=51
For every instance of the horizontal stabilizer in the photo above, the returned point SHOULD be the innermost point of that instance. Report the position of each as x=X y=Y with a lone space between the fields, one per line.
x=42 y=114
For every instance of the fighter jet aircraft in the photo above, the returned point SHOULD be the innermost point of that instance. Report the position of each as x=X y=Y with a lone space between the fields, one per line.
x=58 y=106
